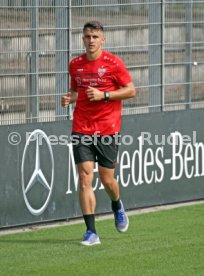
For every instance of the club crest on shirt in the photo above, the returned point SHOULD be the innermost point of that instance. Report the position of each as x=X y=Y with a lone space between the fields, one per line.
x=101 y=71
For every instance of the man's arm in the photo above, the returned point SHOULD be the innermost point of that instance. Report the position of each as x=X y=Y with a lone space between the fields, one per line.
x=70 y=98
x=125 y=92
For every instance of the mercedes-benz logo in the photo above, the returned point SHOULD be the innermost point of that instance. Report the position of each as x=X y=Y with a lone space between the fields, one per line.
x=37 y=175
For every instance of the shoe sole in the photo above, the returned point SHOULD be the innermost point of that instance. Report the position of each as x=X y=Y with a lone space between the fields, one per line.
x=125 y=228
x=90 y=244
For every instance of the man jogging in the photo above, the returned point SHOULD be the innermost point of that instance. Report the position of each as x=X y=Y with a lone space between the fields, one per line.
x=99 y=83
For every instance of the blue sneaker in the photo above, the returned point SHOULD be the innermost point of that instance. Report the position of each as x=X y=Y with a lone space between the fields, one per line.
x=121 y=219
x=90 y=238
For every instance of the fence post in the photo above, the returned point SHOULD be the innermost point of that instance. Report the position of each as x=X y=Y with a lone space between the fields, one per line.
x=28 y=88
x=61 y=55
x=155 y=56
x=34 y=64
x=189 y=17
x=70 y=108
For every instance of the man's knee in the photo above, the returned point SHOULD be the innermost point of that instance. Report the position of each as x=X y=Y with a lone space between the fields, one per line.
x=108 y=181
x=85 y=179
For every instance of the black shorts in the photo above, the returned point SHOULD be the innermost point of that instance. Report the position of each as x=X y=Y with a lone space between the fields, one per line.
x=101 y=149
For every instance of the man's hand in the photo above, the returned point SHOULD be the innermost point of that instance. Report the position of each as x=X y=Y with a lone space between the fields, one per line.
x=94 y=94
x=65 y=100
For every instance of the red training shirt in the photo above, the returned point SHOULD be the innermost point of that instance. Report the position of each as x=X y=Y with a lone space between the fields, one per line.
x=107 y=73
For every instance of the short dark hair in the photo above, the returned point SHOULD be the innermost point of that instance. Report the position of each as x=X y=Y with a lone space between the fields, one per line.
x=94 y=24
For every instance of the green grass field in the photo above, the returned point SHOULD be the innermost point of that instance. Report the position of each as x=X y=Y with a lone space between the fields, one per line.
x=168 y=242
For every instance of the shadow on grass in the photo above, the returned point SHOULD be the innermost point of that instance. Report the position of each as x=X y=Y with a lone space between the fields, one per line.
x=57 y=241
x=39 y=241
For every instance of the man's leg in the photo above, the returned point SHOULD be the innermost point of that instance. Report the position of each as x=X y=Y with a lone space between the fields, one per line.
x=88 y=201
x=86 y=194
x=109 y=182
x=112 y=188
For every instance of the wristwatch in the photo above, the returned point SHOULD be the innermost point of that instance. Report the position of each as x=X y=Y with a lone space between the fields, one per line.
x=106 y=96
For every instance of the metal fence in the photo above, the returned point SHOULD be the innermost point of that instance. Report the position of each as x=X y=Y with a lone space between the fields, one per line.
x=161 y=43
